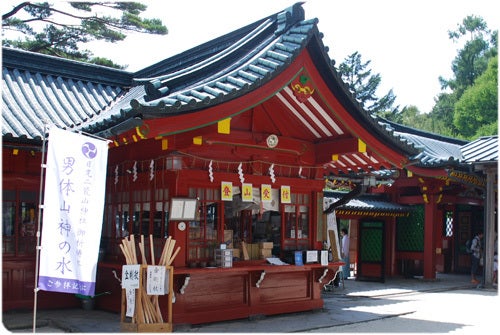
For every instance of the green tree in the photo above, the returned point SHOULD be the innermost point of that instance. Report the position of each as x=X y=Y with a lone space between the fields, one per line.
x=65 y=29
x=471 y=59
x=441 y=116
x=363 y=85
x=471 y=62
x=477 y=110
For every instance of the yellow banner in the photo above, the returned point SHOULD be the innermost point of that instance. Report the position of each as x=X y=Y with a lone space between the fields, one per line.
x=247 y=192
x=285 y=195
x=226 y=191
x=265 y=193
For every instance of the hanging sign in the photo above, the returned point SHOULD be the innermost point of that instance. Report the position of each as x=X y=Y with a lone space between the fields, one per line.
x=130 y=282
x=265 y=193
x=183 y=209
x=130 y=276
x=157 y=280
x=247 y=192
x=226 y=190
x=130 y=297
x=75 y=182
x=285 y=195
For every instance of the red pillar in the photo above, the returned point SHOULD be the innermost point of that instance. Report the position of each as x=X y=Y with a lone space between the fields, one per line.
x=429 y=237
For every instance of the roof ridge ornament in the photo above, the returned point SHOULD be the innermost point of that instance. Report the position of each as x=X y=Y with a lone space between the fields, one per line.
x=300 y=87
x=289 y=17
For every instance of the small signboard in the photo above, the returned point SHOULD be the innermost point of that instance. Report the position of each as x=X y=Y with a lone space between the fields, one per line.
x=311 y=256
x=130 y=282
x=183 y=209
x=130 y=276
x=157 y=280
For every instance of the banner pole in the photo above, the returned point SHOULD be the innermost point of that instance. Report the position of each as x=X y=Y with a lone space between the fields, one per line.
x=40 y=207
x=93 y=136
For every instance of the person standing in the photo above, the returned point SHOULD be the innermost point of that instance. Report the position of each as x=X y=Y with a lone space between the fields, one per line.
x=346 y=269
x=477 y=250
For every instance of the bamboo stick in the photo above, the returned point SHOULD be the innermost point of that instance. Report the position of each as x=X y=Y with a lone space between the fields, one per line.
x=139 y=311
x=126 y=254
x=169 y=251
x=151 y=245
x=147 y=318
x=134 y=252
x=148 y=308
x=171 y=259
x=165 y=247
x=144 y=261
x=143 y=253
x=128 y=250
x=155 y=299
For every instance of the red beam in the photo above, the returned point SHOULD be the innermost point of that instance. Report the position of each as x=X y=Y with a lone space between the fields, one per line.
x=325 y=150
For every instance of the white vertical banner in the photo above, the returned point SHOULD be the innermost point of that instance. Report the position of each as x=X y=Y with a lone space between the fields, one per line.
x=75 y=183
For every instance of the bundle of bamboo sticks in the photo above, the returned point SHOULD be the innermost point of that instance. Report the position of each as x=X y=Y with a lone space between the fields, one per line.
x=148 y=310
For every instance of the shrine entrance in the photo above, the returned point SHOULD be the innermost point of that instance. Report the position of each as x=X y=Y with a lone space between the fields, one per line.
x=371 y=261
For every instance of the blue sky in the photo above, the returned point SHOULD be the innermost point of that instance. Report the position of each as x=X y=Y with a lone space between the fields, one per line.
x=406 y=41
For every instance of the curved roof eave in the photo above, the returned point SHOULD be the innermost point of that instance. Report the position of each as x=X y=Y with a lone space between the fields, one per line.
x=436 y=150
x=39 y=90
x=238 y=63
x=367 y=202
x=259 y=52
x=483 y=150
x=370 y=122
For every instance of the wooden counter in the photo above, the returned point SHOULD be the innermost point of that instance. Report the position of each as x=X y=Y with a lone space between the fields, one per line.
x=247 y=289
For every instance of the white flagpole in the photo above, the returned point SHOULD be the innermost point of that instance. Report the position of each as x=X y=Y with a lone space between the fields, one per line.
x=40 y=207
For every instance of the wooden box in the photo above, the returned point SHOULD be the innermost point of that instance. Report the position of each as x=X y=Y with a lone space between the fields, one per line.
x=266 y=245
x=228 y=238
x=145 y=327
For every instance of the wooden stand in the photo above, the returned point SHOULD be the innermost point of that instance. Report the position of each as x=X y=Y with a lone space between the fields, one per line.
x=137 y=326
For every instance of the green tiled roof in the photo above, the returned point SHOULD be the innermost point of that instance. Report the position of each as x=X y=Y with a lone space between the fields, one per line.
x=40 y=89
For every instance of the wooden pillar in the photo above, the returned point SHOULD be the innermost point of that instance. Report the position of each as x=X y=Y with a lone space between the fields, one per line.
x=429 y=236
x=390 y=228
x=489 y=231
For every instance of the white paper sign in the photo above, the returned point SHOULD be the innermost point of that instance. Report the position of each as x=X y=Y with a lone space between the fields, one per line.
x=130 y=276
x=157 y=280
x=311 y=256
x=130 y=297
x=324 y=257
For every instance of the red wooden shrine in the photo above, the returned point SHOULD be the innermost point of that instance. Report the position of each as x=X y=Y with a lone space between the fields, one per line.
x=257 y=128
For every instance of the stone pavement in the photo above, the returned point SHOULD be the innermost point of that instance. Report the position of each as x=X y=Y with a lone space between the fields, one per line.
x=338 y=310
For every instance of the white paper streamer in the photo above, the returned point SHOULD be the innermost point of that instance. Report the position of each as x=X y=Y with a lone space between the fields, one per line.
x=240 y=173
x=152 y=170
x=134 y=171
x=271 y=173
x=210 y=172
